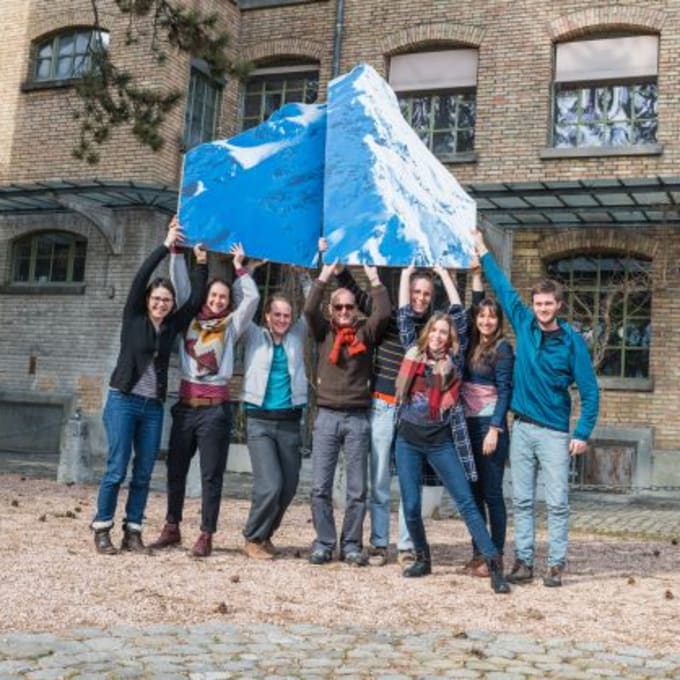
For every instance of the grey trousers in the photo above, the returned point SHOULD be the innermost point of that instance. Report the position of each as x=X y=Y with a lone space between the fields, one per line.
x=350 y=431
x=274 y=448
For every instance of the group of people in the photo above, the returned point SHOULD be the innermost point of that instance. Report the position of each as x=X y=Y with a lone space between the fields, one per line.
x=428 y=390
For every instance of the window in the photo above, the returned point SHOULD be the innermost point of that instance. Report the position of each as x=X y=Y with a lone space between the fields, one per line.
x=47 y=258
x=202 y=113
x=268 y=89
x=606 y=92
x=609 y=301
x=68 y=55
x=437 y=96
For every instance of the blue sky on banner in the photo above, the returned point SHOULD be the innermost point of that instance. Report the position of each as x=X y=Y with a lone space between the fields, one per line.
x=387 y=199
x=263 y=188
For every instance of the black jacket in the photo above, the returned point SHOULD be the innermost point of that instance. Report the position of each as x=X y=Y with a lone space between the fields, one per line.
x=139 y=341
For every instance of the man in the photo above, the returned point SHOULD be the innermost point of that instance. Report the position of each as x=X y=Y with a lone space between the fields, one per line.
x=343 y=377
x=550 y=357
x=388 y=357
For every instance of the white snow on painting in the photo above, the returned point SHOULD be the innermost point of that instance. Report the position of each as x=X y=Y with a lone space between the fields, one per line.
x=387 y=199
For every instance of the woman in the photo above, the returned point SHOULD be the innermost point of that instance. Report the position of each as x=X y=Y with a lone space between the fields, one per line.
x=431 y=425
x=274 y=394
x=486 y=392
x=133 y=415
x=202 y=416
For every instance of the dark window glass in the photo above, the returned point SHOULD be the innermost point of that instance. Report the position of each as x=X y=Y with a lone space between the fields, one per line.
x=55 y=257
x=68 y=55
x=203 y=107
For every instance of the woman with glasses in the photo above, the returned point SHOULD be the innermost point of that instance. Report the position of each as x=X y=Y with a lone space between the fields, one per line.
x=133 y=415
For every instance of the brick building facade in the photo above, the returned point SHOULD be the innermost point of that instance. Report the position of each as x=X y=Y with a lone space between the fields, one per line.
x=560 y=118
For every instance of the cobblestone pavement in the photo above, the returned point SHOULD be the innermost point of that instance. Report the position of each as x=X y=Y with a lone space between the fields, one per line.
x=220 y=651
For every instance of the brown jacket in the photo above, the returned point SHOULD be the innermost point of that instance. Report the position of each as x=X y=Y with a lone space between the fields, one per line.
x=347 y=384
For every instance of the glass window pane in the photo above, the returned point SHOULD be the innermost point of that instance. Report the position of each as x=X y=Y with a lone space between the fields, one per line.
x=45 y=51
x=83 y=42
x=22 y=267
x=64 y=67
x=443 y=143
x=311 y=91
x=252 y=106
x=445 y=112
x=465 y=140
x=636 y=364
x=66 y=45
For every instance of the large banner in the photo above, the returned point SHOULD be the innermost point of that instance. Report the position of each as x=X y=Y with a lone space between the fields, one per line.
x=355 y=172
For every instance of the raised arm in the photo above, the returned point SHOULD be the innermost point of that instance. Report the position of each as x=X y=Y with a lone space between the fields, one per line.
x=380 y=306
x=405 y=286
x=477 y=282
x=199 y=284
x=449 y=285
x=248 y=294
x=179 y=275
x=318 y=324
x=363 y=299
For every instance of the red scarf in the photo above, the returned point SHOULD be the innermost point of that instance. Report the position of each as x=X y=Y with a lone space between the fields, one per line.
x=347 y=335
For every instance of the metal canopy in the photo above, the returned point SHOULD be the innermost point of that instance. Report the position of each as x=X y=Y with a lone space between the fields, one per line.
x=41 y=196
x=588 y=202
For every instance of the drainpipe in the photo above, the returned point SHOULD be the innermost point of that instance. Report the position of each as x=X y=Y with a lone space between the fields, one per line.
x=337 y=36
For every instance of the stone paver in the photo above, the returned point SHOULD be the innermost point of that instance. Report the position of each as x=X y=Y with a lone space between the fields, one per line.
x=275 y=652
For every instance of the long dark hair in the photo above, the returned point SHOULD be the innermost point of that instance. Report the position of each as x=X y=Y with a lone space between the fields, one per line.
x=484 y=351
x=162 y=282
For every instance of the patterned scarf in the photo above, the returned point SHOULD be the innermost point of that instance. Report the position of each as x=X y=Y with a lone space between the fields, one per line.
x=347 y=335
x=205 y=338
x=442 y=380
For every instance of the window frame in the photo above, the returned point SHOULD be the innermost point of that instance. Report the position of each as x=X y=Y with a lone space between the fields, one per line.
x=199 y=72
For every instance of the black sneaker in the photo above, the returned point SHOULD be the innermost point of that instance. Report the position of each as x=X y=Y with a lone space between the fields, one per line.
x=553 y=579
x=356 y=559
x=521 y=573
x=320 y=557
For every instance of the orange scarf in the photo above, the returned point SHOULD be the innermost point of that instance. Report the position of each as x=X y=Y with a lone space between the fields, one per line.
x=346 y=335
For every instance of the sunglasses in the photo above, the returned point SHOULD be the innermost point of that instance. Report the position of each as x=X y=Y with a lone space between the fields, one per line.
x=339 y=307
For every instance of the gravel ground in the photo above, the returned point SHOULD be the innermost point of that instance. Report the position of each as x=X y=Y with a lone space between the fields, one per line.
x=617 y=591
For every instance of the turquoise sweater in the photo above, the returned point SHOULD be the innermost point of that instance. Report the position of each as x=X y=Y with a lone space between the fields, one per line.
x=545 y=368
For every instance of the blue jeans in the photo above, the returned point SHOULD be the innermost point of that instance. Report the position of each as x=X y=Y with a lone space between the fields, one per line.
x=130 y=421
x=350 y=431
x=531 y=447
x=445 y=462
x=382 y=438
x=488 y=489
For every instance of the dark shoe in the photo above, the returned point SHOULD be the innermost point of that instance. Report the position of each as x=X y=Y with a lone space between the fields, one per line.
x=377 y=557
x=102 y=542
x=498 y=582
x=320 y=557
x=132 y=542
x=553 y=579
x=521 y=573
x=356 y=559
x=422 y=565
x=169 y=536
x=203 y=545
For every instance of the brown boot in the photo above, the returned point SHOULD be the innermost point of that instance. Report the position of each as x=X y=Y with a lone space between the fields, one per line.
x=102 y=542
x=270 y=547
x=170 y=535
x=132 y=542
x=203 y=545
x=256 y=551
x=473 y=565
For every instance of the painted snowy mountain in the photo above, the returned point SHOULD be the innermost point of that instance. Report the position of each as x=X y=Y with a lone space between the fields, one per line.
x=263 y=188
x=387 y=199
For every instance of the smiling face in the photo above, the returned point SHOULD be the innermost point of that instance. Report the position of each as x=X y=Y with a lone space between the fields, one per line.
x=486 y=322
x=279 y=318
x=159 y=304
x=438 y=338
x=218 y=297
x=421 y=294
x=342 y=308
x=546 y=308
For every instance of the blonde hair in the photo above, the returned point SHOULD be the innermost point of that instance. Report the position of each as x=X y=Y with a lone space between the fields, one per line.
x=454 y=344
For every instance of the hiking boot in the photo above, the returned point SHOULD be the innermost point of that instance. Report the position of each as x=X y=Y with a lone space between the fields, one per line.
x=421 y=566
x=102 y=542
x=498 y=581
x=521 y=573
x=256 y=550
x=553 y=579
x=132 y=542
x=170 y=535
x=405 y=558
x=270 y=547
x=356 y=559
x=476 y=566
x=377 y=557
x=319 y=557
x=203 y=545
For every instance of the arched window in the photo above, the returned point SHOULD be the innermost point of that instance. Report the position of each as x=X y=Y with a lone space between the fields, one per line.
x=609 y=300
x=68 y=54
x=49 y=258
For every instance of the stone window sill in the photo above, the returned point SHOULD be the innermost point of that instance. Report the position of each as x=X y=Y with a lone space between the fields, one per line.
x=257 y=4
x=454 y=158
x=626 y=384
x=42 y=289
x=599 y=151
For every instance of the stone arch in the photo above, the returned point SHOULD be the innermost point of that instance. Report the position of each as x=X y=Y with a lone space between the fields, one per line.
x=596 y=19
x=64 y=21
x=432 y=34
x=601 y=240
x=293 y=47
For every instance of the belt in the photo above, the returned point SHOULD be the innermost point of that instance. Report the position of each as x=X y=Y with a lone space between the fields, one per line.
x=197 y=402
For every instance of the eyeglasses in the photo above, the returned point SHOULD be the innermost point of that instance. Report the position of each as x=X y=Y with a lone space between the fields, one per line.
x=339 y=307
x=161 y=300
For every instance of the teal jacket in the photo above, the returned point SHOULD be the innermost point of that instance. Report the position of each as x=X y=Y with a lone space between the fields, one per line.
x=545 y=368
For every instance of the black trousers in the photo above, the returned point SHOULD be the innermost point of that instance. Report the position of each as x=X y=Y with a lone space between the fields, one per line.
x=207 y=428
